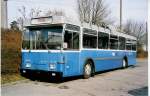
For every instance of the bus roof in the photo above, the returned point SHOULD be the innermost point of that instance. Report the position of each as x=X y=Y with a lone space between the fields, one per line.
x=60 y=20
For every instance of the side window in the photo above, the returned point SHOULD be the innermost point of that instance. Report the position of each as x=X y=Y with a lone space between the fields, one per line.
x=89 y=41
x=32 y=40
x=68 y=39
x=134 y=45
x=113 y=42
x=72 y=27
x=122 y=42
x=72 y=40
x=89 y=38
x=128 y=44
x=103 y=39
x=26 y=40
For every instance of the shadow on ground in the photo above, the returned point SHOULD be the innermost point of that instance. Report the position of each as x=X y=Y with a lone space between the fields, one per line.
x=139 y=92
x=49 y=79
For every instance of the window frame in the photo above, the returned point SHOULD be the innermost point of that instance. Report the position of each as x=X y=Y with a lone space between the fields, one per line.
x=74 y=27
x=107 y=42
x=124 y=43
x=128 y=43
x=34 y=37
x=72 y=31
x=95 y=34
x=117 y=39
x=134 y=43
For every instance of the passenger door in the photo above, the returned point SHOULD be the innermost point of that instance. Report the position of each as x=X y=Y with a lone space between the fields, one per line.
x=71 y=39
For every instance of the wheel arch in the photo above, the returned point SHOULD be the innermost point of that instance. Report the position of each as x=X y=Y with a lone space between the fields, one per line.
x=93 y=64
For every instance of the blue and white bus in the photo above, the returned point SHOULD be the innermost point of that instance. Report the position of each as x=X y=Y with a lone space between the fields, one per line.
x=53 y=46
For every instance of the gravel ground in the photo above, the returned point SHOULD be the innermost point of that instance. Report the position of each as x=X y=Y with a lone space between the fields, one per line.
x=132 y=81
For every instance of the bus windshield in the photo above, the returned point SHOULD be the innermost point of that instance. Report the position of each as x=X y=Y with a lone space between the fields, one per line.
x=43 y=38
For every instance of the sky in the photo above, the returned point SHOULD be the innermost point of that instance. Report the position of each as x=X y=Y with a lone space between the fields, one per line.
x=132 y=9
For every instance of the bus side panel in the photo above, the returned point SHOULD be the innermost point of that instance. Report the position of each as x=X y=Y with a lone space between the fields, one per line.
x=109 y=60
x=103 y=60
x=131 y=56
x=72 y=67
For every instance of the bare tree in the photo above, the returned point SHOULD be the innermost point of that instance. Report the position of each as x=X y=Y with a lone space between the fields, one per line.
x=137 y=29
x=25 y=18
x=94 y=12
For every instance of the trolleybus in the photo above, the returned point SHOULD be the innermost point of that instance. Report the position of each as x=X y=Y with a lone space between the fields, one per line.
x=53 y=46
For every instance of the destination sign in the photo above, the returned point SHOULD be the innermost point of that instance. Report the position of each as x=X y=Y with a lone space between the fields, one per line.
x=41 y=20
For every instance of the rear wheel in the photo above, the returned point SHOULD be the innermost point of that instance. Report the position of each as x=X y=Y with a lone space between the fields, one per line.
x=87 y=70
x=124 y=63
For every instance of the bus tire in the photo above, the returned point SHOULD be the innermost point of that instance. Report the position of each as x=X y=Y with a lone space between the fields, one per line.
x=124 y=64
x=87 y=70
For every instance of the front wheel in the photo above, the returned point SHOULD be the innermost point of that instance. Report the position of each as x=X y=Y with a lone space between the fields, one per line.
x=87 y=70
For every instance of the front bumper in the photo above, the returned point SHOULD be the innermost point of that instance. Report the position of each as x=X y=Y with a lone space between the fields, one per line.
x=40 y=72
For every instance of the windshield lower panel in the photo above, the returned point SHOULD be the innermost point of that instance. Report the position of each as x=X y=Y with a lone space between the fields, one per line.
x=43 y=38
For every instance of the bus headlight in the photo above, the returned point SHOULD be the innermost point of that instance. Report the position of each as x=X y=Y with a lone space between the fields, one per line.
x=52 y=66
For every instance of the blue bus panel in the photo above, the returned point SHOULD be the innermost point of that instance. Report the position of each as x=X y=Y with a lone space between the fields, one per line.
x=71 y=63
